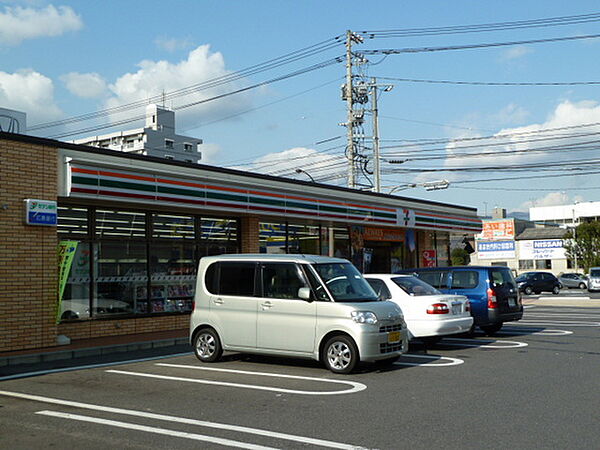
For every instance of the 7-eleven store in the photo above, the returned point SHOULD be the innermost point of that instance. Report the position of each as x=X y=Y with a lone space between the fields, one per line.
x=131 y=230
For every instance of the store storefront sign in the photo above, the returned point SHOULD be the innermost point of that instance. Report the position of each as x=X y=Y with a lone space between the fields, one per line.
x=496 y=250
x=40 y=212
x=542 y=249
x=383 y=234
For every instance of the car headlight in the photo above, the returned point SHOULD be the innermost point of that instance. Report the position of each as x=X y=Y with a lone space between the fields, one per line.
x=364 y=317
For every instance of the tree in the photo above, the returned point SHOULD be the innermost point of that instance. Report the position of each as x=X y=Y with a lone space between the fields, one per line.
x=459 y=257
x=584 y=244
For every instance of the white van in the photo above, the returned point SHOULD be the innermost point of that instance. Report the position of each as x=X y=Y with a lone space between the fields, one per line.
x=293 y=305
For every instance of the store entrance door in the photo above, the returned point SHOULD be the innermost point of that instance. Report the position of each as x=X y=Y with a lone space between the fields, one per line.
x=380 y=258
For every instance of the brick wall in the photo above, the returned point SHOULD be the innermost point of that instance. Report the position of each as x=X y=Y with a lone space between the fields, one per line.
x=250 y=243
x=28 y=269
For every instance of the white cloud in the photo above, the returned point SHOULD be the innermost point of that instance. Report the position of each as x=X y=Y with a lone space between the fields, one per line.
x=321 y=167
x=516 y=52
x=172 y=44
x=551 y=199
x=18 y=24
x=85 y=85
x=30 y=92
x=512 y=114
x=155 y=77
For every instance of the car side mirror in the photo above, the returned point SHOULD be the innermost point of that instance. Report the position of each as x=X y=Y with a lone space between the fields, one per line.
x=304 y=293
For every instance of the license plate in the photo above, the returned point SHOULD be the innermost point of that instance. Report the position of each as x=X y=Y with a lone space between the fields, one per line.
x=455 y=309
x=393 y=337
x=512 y=301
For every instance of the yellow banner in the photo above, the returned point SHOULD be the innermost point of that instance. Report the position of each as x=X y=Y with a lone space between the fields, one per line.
x=66 y=253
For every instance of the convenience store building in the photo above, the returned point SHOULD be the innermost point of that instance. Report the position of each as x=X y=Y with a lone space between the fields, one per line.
x=129 y=231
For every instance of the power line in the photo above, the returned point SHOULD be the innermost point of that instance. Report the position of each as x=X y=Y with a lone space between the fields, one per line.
x=494 y=83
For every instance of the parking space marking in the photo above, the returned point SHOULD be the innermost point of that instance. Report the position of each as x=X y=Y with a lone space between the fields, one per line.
x=558 y=323
x=536 y=331
x=576 y=315
x=163 y=431
x=355 y=386
x=487 y=343
x=182 y=420
x=451 y=361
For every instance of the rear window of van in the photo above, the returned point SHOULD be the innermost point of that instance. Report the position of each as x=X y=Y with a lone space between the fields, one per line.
x=465 y=279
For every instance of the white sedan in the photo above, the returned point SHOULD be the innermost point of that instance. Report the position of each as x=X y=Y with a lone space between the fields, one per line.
x=429 y=314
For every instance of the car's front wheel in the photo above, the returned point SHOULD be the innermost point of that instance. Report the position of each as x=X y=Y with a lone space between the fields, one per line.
x=556 y=290
x=528 y=290
x=340 y=354
x=490 y=330
x=207 y=345
x=581 y=285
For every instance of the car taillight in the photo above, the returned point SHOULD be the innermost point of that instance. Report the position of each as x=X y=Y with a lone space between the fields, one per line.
x=467 y=306
x=492 y=301
x=193 y=306
x=438 y=308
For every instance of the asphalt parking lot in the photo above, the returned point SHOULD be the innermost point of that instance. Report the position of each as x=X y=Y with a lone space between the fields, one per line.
x=534 y=385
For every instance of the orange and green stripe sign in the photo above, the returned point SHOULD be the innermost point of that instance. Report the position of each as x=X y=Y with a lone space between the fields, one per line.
x=166 y=190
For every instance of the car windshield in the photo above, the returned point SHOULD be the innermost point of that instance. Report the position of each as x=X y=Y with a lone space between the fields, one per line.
x=413 y=286
x=345 y=283
x=524 y=276
x=595 y=273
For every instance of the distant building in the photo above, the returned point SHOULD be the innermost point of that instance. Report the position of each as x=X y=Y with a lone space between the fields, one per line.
x=566 y=215
x=157 y=138
x=12 y=121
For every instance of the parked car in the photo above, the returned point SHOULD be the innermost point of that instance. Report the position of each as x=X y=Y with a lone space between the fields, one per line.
x=429 y=314
x=79 y=308
x=594 y=279
x=537 y=282
x=293 y=305
x=573 y=280
x=491 y=290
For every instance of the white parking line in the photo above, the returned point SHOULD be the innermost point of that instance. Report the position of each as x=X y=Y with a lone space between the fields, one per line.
x=182 y=420
x=451 y=361
x=163 y=431
x=560 y=315
x=557 y=323
x=355 y=387
x=538 y=332
x=487 y=343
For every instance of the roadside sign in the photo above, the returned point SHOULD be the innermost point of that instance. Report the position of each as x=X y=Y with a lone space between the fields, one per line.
x=40 y=212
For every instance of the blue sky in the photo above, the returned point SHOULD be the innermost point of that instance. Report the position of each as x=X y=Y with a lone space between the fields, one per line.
x=62 y=59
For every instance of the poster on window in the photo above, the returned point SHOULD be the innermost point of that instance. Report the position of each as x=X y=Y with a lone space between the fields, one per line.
x=542 y=249
x=428 y=258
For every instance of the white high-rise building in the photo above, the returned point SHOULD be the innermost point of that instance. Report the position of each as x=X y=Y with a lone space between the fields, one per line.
x=565 y=215
x=157 y=138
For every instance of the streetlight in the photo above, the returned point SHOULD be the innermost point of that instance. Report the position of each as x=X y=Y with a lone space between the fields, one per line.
x=429 y=186
x=575 y=236
x=306 y=173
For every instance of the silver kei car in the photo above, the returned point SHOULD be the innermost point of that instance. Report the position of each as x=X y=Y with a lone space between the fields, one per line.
x=293 y=305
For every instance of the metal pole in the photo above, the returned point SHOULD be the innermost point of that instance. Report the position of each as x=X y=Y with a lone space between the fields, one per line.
x=349 y=102
x=575 y=240
x=377 y=169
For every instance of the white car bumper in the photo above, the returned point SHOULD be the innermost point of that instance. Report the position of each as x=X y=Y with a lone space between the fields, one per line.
x=441 y=327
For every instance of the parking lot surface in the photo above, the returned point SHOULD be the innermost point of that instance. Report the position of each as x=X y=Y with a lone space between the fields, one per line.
x=533 y=385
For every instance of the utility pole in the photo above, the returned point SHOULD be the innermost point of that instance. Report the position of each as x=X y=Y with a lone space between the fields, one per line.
x=374 y=111
x=350 y=115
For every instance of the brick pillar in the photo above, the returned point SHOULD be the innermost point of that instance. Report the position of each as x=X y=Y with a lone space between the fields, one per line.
x=249 y=233
x=28 y=269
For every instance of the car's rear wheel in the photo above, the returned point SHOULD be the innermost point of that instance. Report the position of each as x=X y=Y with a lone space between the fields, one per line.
x=490 y=330
x=207 y=345
x=581 y=285
x=555 y=290
x=340 y=354
x=528 y=290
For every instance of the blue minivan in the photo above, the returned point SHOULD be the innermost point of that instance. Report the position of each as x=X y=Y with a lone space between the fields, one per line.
x=492 y=291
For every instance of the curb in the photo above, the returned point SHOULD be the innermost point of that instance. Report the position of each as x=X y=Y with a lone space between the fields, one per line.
x=11 y=361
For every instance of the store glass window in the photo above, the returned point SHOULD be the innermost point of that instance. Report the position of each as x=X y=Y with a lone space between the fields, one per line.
x=120 y=224
x=543 y=264
x=172 y=277
x=272 y=237
x=525 y=264
x=72 y=221
x=121 y=268
x=341 y=243
x=170 y=226
x=218 y=236
x=303 y=239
